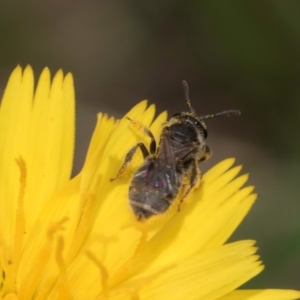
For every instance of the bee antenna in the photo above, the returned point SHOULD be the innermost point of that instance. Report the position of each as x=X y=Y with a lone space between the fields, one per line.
x=187 y=97
x=222 y=113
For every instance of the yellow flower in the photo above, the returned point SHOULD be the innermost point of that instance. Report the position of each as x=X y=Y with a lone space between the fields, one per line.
x=63 y=238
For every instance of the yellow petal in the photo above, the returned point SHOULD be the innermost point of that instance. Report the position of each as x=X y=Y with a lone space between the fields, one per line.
x=111 y=225
x=205 y=276
x=268 y=294
x=51 y=132
x=36 y=154
x=58 y=219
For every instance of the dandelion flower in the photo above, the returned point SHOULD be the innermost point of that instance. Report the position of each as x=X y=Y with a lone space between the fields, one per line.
x=63 y=238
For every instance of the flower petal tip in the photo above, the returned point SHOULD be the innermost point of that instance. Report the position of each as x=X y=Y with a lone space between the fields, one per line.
x=16 y=74
x=69 y=78
x=58 y=74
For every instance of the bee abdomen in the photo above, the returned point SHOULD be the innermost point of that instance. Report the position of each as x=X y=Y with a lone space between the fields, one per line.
x=143 y=210
x=147 y=204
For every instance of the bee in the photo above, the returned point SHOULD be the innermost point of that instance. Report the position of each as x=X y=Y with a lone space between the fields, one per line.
x=171 y=168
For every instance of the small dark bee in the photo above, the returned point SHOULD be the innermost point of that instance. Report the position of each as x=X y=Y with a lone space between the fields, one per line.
x=172 y=168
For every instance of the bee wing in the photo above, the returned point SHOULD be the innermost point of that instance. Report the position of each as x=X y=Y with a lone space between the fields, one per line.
x=156 y=183
x=159 y=173
x=166 y=156
x=165 y=174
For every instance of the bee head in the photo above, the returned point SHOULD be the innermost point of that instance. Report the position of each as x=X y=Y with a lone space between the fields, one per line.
x=190 y=121
x=189 y=125
x=200 y=119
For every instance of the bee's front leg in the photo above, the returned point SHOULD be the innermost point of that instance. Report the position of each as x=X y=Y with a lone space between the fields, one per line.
x=128 y=159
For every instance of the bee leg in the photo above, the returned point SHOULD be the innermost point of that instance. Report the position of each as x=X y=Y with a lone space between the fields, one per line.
x=206 y=154
x=194 y=175
x=147 y=131
x=129 y=157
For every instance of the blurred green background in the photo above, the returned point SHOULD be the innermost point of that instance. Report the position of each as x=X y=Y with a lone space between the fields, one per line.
x=234 y=54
